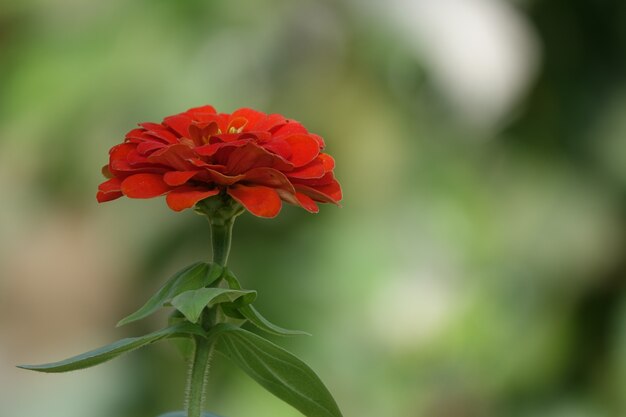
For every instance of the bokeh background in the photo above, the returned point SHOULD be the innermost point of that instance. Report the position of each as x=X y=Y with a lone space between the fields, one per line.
x=476 y=268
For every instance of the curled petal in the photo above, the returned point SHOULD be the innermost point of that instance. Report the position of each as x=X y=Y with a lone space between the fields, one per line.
x=144 y=186
x=258 y=200
x=186 y=197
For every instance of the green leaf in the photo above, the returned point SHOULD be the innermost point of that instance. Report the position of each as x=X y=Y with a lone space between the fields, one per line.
x=251 y=313
x=197 y=275
x=184 y=414
x=277 y=370
x=191 y=303
x=106 y=353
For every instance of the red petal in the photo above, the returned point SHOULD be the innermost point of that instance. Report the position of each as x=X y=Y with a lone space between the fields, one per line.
x=208 y=150
x=104 y=197
x=328 y=161
x=179 y=123
x=159 y=132
x=315 y=169
x=279 y=147
x=270 y=122
x=144 y=186
x=307 y=203
x=252 y=116
x=174 y=156
x=252 y=156
x=146 y=147
x=200 y=112
x=114 y=184
x=269 y=177
x=260 y=201
x=304 y=149
x=176 y=178
x=109 y=190
x=118 y=155
x=324 y=194
x=186 y=197
x=291 y=128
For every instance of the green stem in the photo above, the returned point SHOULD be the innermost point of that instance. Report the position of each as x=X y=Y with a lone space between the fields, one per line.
x=198 y=376
x=221 y=233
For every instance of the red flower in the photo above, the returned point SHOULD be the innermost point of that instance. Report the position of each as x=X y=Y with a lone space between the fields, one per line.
x=258 y=159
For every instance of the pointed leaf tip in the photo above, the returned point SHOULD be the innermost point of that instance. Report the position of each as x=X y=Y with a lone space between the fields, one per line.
x=113 y=350
x=278 y=371
x=194 y=276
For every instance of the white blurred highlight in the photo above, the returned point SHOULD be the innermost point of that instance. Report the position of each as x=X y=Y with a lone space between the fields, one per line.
x=481 y=54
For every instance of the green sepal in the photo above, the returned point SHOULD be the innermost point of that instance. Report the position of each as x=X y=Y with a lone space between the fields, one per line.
x=108 y=352
x=194 y=276
x=192 y=303
x=277 y=370
x=253 y=316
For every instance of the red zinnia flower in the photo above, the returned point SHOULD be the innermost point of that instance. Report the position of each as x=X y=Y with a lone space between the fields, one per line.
x=258 y=159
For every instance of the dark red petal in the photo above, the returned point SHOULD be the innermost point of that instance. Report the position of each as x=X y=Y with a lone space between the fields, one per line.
x=258 y=200
x=118 y=155
x=176 y=178
x=137 y=133
x=144 y=186
x=271 y=178
x=252 y=156
x=307 y=203
x=279 y=147
x=320 y=194
x=209 y=150
x=174 y=156
x=186 y=197
x=201 y=133
x=304 y=149
x=146 y=147
x=106 y=172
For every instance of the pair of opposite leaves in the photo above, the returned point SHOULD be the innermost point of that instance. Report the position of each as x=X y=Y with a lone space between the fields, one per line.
x=277 y=370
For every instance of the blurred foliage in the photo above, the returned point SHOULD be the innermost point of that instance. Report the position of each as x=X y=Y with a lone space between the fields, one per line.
x=473 y=270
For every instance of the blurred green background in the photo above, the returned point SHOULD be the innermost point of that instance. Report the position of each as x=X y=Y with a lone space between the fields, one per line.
x=476 y=268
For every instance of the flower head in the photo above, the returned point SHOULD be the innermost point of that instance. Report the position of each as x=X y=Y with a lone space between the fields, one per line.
x=257 y=159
